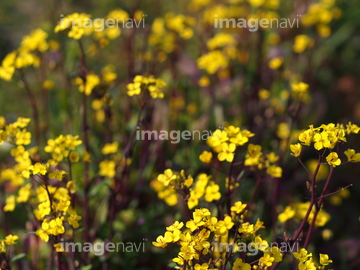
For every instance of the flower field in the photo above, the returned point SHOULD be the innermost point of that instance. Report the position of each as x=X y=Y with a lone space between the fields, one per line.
x=195 y=134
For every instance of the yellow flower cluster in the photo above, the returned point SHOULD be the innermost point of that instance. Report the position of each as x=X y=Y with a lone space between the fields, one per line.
x=164 y=31
x=306 y=261
x=53 y=203
x=109 y=33
x=298 y=212
x=16 y=134
x=53 y=211
x=327 y=137
x=300 y=91
x=256 y=159
x=201 y=237
x=224 y=142
x=25 y=55
x=169 y=183
x=146 y=83
x=8 y=241
x=99 y=106
x=320 y=14
x=222 y=49
x=61 y=148
x=203 y=187
x=78 y=23
x=302 y=42
x=88 y=84
x=115 y=161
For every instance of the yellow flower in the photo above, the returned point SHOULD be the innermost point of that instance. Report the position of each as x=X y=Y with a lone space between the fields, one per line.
x=134 y=89
x=301 y=43
x=24 y=193
x=205 y=157
x=307 y=265
x=110 y=148
x=296 y=149
x=2 y=247
x=306 y=137
x=71 y=186
x=223 y=226
x=238 y=207
x=48 y=85
x=212 y=192
x=260 y=244
x=213 y=61
x=276 y=62
x=288 y=213
x=275 y=253
x=321 y=140
x=266 y=260
x=333 y=159
x=73 y=220
x=74 y=157
x=227 y=152
x=167 y=177
x=43 y=235
x=246 y=228
x=57 y=174
x=86 y=156
x=264 y=94
x=302 y=255
x=204 y=266
x=274 y=171
x=23 y=137
x=324 y=259
x=10 y=204
x=240 y=265
x=91 y=81
x=352 y=155
x=160 y=242
x=253 y=155
x=107 y=168
x=11 y=239
x=59 y=247
x=300 y=87
x=204 y=81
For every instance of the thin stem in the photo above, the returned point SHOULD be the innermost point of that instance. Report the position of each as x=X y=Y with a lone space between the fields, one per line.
x=33 y=105
x=317 y=209
x=312 y=202
x=85 y=131
x=256 y=188
x=228 y=188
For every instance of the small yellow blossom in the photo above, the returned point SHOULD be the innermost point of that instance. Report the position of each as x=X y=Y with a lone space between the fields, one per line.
x=288 y=213
x=352 y=156
x=296 y=149
x=333 y=159
x=74 y=157
x=11 y=239
x=276 y=62
x=324 y=259
x=238 y=207
x=110 y=148
x=205 y=157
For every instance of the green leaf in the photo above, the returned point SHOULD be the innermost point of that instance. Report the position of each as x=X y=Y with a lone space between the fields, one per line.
x=18 y=257
x=86 y=267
